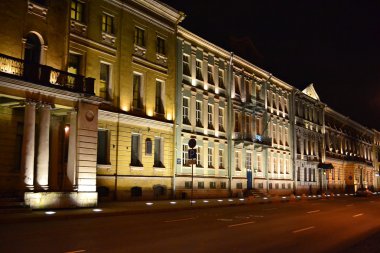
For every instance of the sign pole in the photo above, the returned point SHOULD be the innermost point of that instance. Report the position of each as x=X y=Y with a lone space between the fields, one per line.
x=192 y=156
x=192 y=183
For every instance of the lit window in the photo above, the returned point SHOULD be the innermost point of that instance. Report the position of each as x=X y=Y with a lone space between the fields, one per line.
x=210 y=116
x=221 y=159
x=199 y=157
x=237 y=85
x=221 y=78
x=158 y=152
x=259 y=165
x=248 y=161
x=159 y=108
x=185 y=110
x=221 y=119
x=161 y=46
x=139 y=37
x=103 y=144
x=185 y=155
x=237 y=161
x=210 y=74
x=199 y=75
x=210 y=157
x=135 y=151
x=104 y=89
x=107 y=24
x=186 y=65
x=198 y=113
x=77 y=9
x=74 y=64
x=137 y=101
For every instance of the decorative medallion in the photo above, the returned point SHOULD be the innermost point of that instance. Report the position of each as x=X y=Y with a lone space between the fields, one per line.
x=90 y=115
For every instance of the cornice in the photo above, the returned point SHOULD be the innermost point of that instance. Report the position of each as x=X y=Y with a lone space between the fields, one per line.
x=20 y=85
x=133 y=120
x=156 y=7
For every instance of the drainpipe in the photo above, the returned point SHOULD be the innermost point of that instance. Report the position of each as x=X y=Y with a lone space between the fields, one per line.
x=229 y=121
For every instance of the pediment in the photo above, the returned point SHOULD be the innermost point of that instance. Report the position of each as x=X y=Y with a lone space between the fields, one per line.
x=310 y=91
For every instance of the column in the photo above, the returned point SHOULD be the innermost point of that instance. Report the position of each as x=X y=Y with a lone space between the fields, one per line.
x=43 y=148
x=27 y=159
x=71 y=159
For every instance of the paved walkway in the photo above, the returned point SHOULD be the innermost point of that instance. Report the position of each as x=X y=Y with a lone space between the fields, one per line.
x=135 y=207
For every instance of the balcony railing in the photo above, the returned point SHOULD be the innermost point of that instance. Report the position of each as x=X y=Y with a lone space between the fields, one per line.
x=45 y=75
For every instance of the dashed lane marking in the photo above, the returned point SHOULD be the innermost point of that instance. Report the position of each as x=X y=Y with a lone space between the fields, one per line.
x=76 y=251
x=224 y=219
x=184 y=219
x=303 y=229
x=314 y=211
x=241 y=224
x=357 y=215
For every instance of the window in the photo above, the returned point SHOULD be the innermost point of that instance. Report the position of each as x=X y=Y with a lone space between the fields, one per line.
x=137 y=103
x=188 y=185
x=270 y=186
x=210 y=74
x=221 y=119
x=277 y=186
x=281 y=166
x=305 y=174
x=239 y=186
x=198 y=113
x=198 y=68
x=283 y=185
x=212 y=185
x=135 y=151
x=107 y=23
x=247 y=126
x=286 y=137
x=280 y=134
x=223 y=185
x=161 y=46
x=314 y=179
x=74 y=64
x=310 y=174
x=185 y=155
x=237 y=85
x=201 y=185
x=158 y=152
x=104 y=87
x=260 y=185
x=248 y=161
x=247 y=90
x=210 y=115
x=186 y=65
x=259 y=164
x=258 y=91
x=159 y=105
x=199 y=164
x=221 y=78
x=237 y=125
x=258 y=126
x=185 y=110
x=77 y=9
x=274 y=133
x=221 y=159
x=103 y=151
x=139 y=37
x=148 y=147
x=289 y=186
x=210 y=157
x=274 y=165
x=237 y=161
x=298 y=174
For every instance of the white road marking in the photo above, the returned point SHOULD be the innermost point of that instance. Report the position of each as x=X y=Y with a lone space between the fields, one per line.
x=76 y=251
x=303 y=229
x=314 y=211
x=357 y=215
x=184 y=219
x=240 y=224
x=224 y=219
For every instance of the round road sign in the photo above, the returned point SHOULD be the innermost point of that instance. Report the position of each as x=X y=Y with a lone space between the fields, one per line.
x=192 y=143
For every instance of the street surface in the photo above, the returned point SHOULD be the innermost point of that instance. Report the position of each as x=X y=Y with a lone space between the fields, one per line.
x=327 y=225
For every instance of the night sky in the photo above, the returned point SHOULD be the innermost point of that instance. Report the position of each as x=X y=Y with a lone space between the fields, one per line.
x=333 y=44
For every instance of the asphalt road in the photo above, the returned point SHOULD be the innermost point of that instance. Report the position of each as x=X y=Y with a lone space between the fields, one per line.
x=333 y=225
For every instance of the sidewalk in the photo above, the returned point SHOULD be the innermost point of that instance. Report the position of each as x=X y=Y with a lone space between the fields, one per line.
x=138 y=207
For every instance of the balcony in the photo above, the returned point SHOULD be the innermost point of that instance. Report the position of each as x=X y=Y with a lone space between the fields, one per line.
x=263 y=140
x=45 y=75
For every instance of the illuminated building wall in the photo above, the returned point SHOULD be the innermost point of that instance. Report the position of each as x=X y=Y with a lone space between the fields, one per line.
x=349 y=147
x=309 y=141
x=48 y=115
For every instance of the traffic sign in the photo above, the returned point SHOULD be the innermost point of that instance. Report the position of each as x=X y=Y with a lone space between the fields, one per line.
x=192 y=154
x=192 y=143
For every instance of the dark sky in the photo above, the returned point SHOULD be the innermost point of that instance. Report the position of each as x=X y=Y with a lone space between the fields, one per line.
x=333 y=44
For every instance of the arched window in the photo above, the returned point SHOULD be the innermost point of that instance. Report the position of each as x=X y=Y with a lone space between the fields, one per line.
x=33 y=46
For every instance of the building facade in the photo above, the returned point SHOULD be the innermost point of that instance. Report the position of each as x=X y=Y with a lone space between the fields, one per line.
x=99 y=99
